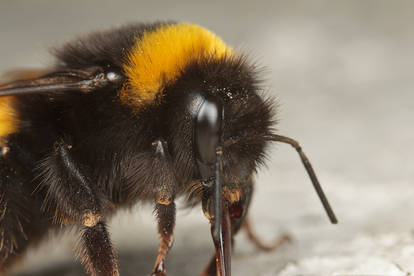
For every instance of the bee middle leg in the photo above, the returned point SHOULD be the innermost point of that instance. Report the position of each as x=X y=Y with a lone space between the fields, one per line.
x=164 y=206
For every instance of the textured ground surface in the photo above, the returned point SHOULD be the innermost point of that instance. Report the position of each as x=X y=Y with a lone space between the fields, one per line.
x=344 y=76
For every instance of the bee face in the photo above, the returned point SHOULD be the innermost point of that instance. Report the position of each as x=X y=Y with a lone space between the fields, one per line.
x=231 y=85
x=247 y=118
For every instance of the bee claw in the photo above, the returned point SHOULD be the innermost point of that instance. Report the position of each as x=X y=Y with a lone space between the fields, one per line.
x=160 y=272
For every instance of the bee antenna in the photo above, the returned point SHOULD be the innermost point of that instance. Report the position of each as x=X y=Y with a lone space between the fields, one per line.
x=311 y=173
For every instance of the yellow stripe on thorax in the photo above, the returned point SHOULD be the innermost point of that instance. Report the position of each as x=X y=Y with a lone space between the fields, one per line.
x=9 y=121
x=160 y=56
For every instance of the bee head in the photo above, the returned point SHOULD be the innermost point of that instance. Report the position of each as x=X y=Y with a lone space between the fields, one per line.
x=226 y=114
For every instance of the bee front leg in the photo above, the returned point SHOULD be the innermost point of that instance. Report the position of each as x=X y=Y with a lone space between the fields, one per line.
x=164 y=206
x=166 y=222
x=238 y=207
x=239 y=221
x=75 y=198
x=246 y=225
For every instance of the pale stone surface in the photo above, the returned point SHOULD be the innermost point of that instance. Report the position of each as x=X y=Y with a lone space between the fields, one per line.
x=343 y=74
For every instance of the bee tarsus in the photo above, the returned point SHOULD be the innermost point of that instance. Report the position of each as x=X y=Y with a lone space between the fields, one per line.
x=96 y=251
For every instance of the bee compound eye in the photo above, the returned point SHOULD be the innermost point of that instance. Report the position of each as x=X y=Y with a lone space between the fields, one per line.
x=207 y=135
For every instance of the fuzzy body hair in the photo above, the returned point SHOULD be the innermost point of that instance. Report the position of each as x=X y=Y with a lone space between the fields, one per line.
x=111 y=142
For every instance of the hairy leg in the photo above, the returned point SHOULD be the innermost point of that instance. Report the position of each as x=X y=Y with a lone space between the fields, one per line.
x=20 y=217
x=76 y=198
x=96 y=251
x=166 y=221
x=164 y=206
x=69 y=190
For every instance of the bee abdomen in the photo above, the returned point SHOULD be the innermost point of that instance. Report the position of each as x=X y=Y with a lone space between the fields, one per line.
x=9 y=120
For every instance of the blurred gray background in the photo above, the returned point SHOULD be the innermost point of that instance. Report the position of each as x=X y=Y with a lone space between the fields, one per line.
x=343 y=73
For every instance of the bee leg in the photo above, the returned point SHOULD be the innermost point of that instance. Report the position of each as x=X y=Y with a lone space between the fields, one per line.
x=165 y=206
x=211 y=268
x=13 y=237
x=238 y=209
x=166 y=222
x=18 y=223
x=245 y=224
x=70 y=193
x=259 y=243
x=97 y=253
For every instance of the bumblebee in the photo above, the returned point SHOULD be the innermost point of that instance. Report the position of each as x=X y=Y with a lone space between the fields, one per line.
x=142 y=113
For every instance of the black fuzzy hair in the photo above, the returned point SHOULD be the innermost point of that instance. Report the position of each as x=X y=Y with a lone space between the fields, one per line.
x=105 y=48
x=93 y=154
